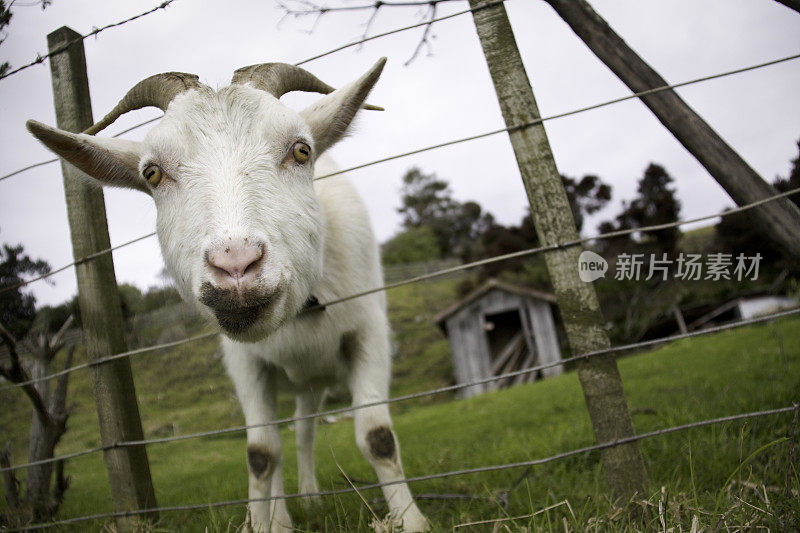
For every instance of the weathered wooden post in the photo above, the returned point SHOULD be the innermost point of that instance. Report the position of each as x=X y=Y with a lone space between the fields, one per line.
x=577 y=301
x=101 y=315
x=781 y=218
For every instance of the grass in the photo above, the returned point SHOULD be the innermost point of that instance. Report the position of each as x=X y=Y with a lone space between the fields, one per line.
x=707 y=474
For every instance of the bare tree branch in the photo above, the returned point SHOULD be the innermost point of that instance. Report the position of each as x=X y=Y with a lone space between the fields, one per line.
x=55 y=342
x=310 y=8
x=307 y=8
x=61 y=485
x=426 y=35
x=9 y=479
x=47 y=427
x=17 y=374
x=59 y=400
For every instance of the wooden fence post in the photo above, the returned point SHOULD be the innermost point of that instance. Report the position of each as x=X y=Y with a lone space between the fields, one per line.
x=780 y=217
x=101 y=315
x=577 y=301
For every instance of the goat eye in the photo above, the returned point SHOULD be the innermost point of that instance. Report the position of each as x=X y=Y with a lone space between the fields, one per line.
x=301 y=152
x=153 y=174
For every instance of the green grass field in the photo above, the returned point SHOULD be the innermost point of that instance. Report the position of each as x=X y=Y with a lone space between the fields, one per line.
x=706 y=474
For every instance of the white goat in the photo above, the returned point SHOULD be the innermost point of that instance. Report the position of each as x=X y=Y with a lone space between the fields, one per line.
x=254 y=242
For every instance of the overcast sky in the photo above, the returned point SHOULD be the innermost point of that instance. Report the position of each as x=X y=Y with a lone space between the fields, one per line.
x=437 y=98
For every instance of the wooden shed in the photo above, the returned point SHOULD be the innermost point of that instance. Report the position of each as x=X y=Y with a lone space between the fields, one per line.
x=499 y=328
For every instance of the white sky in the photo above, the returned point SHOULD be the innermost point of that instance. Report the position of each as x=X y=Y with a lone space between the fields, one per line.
x=435 y=99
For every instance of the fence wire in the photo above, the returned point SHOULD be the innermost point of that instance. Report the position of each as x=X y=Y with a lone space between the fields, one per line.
x=556 y=246
x=406 y=397
x=441 y=145
x=428 y=477
x=423 y=277
x=95 y=31
x=432 y=147
x=55 y=160
x=304 y=61
x=565 y=114
x=521 y=253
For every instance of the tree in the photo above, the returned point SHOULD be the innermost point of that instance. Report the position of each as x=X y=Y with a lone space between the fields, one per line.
x=45 y=482
x=428 y=201
x=5 y=20
x=741 y=233
x=411 y=246
x=17 y=309
x=586 y=196
x=131 y=300
x=465 y=230
x=655 y=203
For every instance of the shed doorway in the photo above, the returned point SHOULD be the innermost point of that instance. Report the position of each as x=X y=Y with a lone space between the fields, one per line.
x=509 y=349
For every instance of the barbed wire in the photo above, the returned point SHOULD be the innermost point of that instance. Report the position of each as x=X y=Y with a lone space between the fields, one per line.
x=302 y=62
x=411 y=396
x=428 y=477
x=96 y=31
x=457 y=141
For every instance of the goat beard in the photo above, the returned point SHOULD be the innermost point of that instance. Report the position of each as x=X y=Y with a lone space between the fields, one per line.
x=236 y=311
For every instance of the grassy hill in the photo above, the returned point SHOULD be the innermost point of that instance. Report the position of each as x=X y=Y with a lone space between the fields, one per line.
x=186 y=390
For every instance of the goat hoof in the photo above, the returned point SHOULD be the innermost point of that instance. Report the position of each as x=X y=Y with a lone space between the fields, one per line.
x=414 y=521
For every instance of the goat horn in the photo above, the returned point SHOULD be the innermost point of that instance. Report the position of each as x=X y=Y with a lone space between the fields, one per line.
x=280 y=78
x=155 y=91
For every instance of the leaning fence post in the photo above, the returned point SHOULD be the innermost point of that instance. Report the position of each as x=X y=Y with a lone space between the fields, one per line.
x=577 y=301
x=780 y=218
x=101 y=315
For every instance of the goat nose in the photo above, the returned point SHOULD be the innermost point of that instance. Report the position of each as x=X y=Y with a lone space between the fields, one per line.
x=235 y=263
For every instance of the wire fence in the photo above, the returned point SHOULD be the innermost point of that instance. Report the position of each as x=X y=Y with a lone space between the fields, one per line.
x=403 y=398
x=302 y=62
x=432 y=147
x=423 y=277
x=414 y=279
x=96 y=31
x=428 y=477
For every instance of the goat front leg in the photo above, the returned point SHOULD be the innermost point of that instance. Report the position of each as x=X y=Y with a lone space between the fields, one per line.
x=257 y=390
x=369 y=382
x=308 y=402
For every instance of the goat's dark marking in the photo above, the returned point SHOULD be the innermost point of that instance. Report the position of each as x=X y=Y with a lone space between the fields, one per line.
x=381 y=443
x=259 y=460
x=348 y=345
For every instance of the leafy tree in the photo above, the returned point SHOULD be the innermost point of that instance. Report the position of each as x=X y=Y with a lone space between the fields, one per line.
x=50 y=318
x=17 y=309
x=428 y=201
x=158 y=297
x=656 y=203
x=586 y=196
x=5 y=20
x=411 y=246
x=740 y=233
x=465 y=230
x=131 y=299
x=793 y=181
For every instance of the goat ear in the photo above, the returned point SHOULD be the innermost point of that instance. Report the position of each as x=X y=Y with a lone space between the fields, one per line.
x=112 y=162
x=330 y=116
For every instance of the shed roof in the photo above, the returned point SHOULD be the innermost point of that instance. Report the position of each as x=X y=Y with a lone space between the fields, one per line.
x=490 y=284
